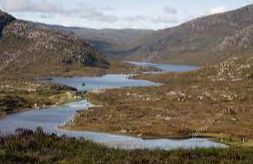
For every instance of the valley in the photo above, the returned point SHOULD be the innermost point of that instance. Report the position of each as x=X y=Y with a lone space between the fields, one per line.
x=204 y=40
x=78 y=95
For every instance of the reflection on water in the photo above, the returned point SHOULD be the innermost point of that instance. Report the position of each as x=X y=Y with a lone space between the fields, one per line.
x=103 y=82
x=51 y=118
x=167 y=67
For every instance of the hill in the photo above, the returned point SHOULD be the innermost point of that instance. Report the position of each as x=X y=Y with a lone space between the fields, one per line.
x=204 y=40
x=113 y=43
x=35 y=49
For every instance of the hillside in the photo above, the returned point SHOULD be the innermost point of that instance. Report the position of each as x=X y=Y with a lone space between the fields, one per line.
x=35 y=49
x=114 y=36
x=112 y=42
x=204 y=40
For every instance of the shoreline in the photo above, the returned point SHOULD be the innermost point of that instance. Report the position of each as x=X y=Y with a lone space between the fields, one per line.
x=211 y=137
x=225 y=139
x=51 y=95
x=194 y=94
x=219 y=136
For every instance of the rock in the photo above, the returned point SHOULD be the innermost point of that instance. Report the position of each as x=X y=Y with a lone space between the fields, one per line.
x=167 y=118
x=171 y=94
x=201 y=98
x=123 y=131
x=158 y=116
x=139 y=135
x=234 y=119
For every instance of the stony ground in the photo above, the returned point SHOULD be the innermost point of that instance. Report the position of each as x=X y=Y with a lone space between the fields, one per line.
x=214 y=101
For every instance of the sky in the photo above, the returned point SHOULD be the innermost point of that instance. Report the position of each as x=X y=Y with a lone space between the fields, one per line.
x=98 y=14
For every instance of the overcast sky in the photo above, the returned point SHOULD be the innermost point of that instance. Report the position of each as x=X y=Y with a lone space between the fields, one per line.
x=99 y=14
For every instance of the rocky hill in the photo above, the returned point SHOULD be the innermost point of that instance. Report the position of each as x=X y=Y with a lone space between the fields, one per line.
x=5 y=19
x=31 y=48
x=204 y=40
x=113 y=43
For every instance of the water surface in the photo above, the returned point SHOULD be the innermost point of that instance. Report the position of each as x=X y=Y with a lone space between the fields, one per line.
x=51 y=118
x=103 y=82
x=167 y=67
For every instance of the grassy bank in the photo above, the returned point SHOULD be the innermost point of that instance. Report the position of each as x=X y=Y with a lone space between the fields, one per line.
x=29 y=147
x=20 y=95
x=20 y=92
x=215 y=101
x=116 y=67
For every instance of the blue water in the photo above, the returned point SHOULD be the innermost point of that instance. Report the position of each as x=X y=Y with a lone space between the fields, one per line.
x=167 y=67
x=103 y=82
x=51 y=118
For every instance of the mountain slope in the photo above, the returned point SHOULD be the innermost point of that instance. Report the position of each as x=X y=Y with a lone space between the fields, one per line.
x=115 y=36
x=200 y=41
x=31 y=48
x=5 y=19
x=112 y=42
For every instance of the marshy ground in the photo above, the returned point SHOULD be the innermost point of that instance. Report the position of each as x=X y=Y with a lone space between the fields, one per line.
x=24 y=92
x=216 y=101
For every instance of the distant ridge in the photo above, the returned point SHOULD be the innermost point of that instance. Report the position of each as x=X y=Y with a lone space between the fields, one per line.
x=200 y=41
x=112 y=42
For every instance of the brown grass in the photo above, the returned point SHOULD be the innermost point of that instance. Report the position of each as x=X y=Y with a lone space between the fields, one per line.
x=187 y=104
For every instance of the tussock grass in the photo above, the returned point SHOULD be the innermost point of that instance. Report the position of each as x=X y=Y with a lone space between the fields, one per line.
x=37 y=147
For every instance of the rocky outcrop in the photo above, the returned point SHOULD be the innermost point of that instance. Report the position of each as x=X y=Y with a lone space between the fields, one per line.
x=4 y=19
x=31 y=47
x=232 y=70
x=202 y=40
x=241 y=39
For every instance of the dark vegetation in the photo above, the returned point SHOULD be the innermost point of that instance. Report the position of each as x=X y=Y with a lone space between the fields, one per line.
x=38 y=147
x=23 y=95
x=5 y=19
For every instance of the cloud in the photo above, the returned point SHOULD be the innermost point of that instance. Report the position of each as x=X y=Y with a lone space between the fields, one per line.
x=81 y=10
x=170 y=10
x=216 y=10
x=91 y=14
x=29 y=6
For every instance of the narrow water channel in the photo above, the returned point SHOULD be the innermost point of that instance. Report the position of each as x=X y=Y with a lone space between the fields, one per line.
x=51 y=118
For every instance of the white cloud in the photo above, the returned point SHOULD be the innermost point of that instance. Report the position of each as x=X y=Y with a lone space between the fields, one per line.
x=81 y=10
x=29 y=6
x=98 y=14
x=216 y=10
x=90 y=13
